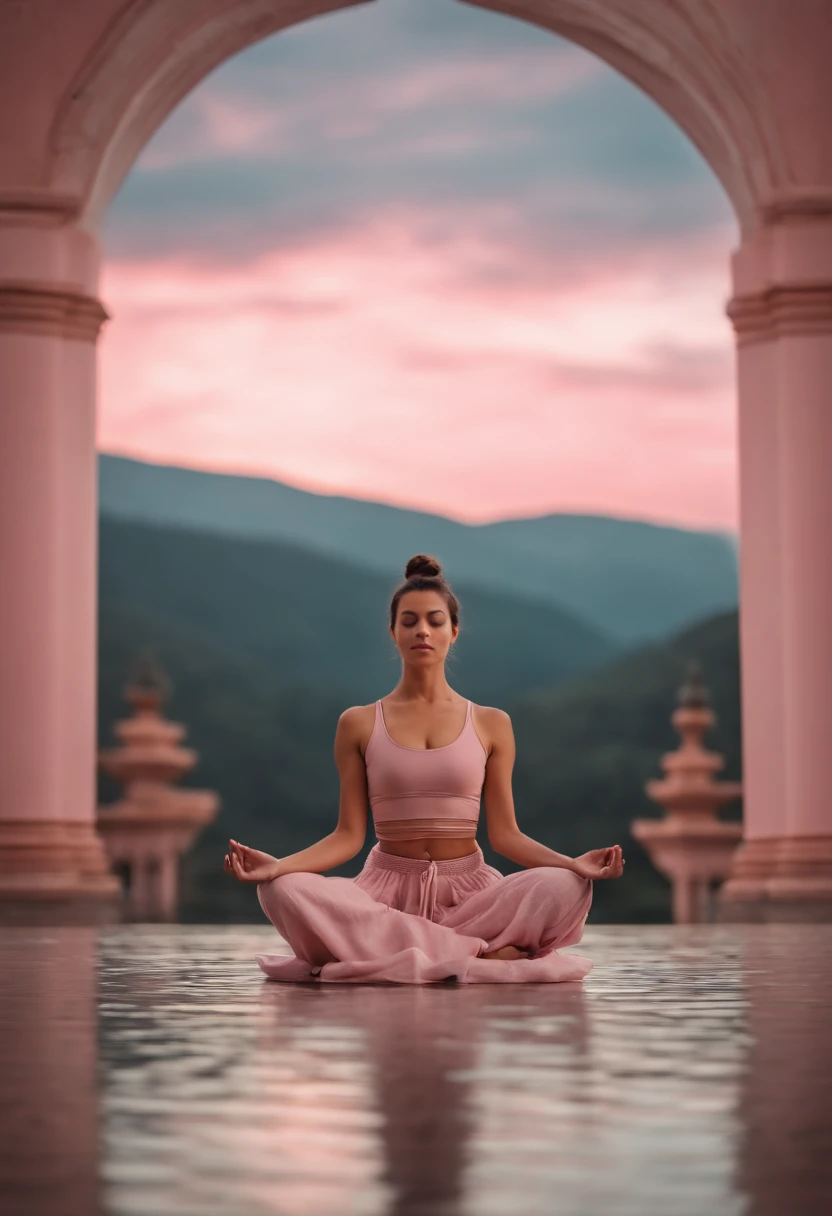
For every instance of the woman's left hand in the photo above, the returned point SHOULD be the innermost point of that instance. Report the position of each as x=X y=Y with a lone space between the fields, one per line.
x=600 y=863
x=249 y=865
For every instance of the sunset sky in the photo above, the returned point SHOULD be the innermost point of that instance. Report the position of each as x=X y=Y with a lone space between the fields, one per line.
x=431 y=256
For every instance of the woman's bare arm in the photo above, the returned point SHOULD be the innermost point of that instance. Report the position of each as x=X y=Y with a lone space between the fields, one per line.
x=504 y=835
x=345 y=840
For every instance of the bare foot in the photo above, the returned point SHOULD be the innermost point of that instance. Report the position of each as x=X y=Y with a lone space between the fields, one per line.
x=506 y=952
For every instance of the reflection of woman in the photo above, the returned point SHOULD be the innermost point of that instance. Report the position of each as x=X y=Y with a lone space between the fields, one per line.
x=438 y=1058
x=426 y=906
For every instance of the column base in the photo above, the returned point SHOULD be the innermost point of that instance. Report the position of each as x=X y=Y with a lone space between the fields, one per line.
x=779 y=880
x=55 y=872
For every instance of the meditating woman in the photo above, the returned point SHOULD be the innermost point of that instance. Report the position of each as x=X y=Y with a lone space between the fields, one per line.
x=426 y=907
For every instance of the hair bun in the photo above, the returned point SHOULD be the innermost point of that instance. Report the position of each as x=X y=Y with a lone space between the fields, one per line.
x=422 y=564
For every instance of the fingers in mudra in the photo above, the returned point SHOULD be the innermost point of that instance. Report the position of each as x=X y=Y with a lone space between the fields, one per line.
x=233 y=862
x=248 y=865
x=613 y=864
x=237 y=854
x=238 y=867
x=604 y=863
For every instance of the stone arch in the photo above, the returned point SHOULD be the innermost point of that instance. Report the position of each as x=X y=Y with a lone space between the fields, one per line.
x=150 y=57
x=685 y=58
x=155 y=51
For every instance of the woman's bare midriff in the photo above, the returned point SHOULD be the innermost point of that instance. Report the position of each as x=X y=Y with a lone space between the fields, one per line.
x=437 y=849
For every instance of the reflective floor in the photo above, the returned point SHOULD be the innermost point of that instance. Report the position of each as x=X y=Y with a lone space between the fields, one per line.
x=153 y=1070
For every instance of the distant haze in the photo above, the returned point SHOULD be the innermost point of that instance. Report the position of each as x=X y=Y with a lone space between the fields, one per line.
x=427 y=255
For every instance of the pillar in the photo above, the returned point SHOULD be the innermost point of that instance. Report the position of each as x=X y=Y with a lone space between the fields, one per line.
x=782 y=312
x=683 y=901
x=140 y=887
x=168 y=895
x=52 y=863
x=691 y=902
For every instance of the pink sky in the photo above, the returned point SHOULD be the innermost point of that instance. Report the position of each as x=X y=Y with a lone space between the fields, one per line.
x=502 y=343
x=373 y=363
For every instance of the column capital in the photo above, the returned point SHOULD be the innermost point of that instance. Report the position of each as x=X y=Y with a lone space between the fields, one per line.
x=38 y=208
x=797 y=206
x=51 y=310
x=784 y=309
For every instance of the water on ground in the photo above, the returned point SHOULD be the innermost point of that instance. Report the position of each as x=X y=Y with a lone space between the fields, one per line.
x=153 y=1069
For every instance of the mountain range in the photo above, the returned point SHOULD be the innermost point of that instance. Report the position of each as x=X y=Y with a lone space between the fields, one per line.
x=631 y=581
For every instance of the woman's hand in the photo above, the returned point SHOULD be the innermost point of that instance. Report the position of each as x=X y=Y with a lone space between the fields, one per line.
x=600 y=863
x=249 y=865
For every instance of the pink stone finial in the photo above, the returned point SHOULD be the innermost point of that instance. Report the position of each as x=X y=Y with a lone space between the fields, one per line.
x=691 y=846
x=152 y=825
x=150 y=686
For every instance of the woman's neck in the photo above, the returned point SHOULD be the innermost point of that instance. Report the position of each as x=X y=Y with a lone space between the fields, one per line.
x=430 y=686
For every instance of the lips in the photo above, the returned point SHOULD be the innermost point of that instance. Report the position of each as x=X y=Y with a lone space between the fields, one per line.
x=421 y=648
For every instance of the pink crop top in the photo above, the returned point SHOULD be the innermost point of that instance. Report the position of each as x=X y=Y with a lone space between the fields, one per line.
x=416 y=792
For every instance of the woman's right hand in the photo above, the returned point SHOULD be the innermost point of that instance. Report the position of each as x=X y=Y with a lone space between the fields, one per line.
x=600 y=863
x=249 y=865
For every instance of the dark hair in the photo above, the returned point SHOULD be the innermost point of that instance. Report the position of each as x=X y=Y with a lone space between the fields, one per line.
x=424 y=573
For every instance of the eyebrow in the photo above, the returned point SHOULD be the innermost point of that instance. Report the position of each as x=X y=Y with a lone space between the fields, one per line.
x=413 y=612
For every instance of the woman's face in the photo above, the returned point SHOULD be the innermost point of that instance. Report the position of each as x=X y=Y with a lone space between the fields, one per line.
x=423 y=632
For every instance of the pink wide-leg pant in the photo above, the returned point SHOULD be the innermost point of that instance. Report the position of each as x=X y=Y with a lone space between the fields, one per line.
x=408 y=921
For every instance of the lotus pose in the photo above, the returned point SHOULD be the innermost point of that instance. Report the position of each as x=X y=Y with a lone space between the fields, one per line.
x=426 y=907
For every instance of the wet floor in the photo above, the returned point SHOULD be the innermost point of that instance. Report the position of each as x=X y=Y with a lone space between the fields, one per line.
x=154 y=1070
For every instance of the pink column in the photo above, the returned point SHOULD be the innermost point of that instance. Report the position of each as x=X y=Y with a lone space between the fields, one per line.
x=140 y=887
x=168 y=881
x=51 y=860
x=782 y=311
x=804 y=872
x=683 y=900
x=760 y=619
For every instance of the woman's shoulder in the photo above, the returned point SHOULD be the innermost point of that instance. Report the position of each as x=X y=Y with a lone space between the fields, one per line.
x=357 y=721
x=492 y=725
x=489 y=715
x=358 y=713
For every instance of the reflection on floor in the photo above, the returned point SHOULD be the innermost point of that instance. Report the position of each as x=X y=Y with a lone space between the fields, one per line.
x=154 y=1070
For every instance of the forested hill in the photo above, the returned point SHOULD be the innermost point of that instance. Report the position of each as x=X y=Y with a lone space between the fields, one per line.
x=291 y=616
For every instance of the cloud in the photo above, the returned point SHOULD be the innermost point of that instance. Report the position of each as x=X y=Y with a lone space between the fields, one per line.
x=406 y=104
x=347 y=364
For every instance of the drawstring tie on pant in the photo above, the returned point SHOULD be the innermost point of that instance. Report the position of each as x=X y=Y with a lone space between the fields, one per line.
x=427 y=899
x=428 y=871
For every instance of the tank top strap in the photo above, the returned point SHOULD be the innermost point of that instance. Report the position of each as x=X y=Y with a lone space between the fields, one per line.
x=378 y=726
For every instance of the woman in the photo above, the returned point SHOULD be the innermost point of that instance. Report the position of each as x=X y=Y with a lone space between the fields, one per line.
x=425 y=907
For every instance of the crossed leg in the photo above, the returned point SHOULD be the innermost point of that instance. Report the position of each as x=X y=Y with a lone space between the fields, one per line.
x=329 y=919
x=337 y=929
x=537 y=910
